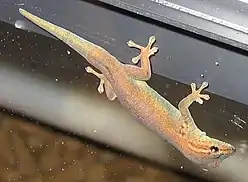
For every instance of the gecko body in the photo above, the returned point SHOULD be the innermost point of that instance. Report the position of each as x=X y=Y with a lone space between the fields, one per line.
x=127 y=83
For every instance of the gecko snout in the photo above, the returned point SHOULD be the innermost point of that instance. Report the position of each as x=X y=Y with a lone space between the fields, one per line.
x=229 y=149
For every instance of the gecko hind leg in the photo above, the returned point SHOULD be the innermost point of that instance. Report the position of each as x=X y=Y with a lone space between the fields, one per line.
x=98 y=75
x=104 y=84
x=143 y=72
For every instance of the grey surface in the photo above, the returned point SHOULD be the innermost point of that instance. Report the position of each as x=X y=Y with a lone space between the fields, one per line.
x=224 y=21
x=111 y=29
x=180 y=58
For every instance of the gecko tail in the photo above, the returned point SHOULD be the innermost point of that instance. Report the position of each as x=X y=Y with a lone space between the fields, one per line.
x=77 y=43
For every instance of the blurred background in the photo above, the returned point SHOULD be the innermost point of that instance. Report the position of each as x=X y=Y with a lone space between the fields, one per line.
x=56 y=127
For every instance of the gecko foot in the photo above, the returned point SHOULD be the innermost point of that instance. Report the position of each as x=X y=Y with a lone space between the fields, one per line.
x=144 y=50
x=196 y=93
x=100 y=76
x=104 y=84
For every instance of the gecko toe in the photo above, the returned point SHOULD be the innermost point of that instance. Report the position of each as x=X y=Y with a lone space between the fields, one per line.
x=193 y=87
x=136 y=59
x=131 y=43
x=88 y=69
x=100 y=88
x=204 y=85
x=205 y=96
x=153 y=51
x=199 y=100
x=152 y=39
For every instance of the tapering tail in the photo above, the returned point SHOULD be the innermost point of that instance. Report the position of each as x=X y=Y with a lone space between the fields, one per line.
x=85 y=48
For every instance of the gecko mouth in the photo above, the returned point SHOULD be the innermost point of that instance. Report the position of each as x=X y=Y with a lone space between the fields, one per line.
x=233 y=150
x=218 y=156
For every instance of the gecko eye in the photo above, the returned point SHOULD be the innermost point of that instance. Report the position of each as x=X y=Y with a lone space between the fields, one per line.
x=214 y=149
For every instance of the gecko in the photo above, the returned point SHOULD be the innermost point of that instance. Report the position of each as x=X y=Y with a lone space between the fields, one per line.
x=128 y=84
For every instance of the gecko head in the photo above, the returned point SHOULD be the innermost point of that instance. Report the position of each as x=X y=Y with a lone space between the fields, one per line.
x=209 y=151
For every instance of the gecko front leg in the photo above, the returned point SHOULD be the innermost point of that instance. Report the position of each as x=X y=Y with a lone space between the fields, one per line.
x=185 y=103
x=143 y=72
x=104 y=83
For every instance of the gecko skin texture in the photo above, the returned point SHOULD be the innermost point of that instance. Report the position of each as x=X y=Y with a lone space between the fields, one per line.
x=127 y=83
